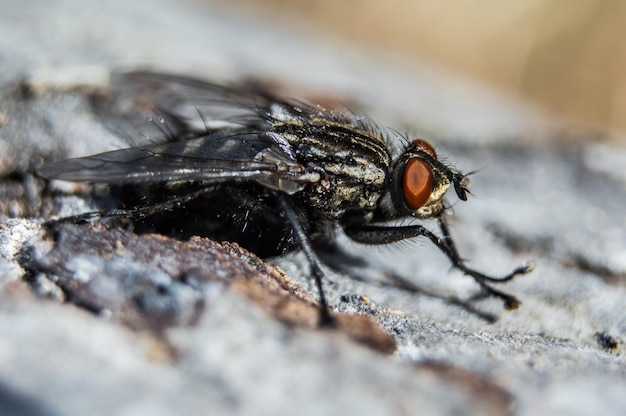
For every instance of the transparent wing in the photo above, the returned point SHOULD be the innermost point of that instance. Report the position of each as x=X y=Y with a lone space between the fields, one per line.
x=149 y=107
x=185 y=105
x=186 y=97
x=219 y=156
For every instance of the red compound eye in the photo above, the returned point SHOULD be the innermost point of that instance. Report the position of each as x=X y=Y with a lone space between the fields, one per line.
x=425 y=146
x=417 y=183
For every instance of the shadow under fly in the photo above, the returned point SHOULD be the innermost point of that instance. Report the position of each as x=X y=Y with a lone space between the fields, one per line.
x=272 y=172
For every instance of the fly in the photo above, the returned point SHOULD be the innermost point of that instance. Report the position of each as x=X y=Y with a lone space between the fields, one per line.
x=279 y=167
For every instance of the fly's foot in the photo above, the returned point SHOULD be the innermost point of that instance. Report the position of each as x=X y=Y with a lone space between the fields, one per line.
x=510 y=301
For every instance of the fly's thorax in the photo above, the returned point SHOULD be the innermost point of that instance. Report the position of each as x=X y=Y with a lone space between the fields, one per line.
x=419 y=182
x=353 y=165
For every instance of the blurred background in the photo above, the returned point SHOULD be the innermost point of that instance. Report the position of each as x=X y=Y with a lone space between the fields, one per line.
x=567 y=56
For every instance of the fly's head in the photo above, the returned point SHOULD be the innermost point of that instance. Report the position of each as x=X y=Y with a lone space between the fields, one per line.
x=420 y=181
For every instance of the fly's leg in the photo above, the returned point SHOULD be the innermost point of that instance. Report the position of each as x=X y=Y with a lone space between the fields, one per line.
x=136 y=213
x=375 y=234
x=459 y=264
x=510 y=302
x=325 y=317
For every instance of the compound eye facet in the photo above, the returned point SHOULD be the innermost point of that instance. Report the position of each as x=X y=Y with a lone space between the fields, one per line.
x=425 y=146
x=417 y=183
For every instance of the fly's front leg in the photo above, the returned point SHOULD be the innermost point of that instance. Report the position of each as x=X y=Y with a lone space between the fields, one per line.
x=459 y=264
x=510 y=302
x=377 y=234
